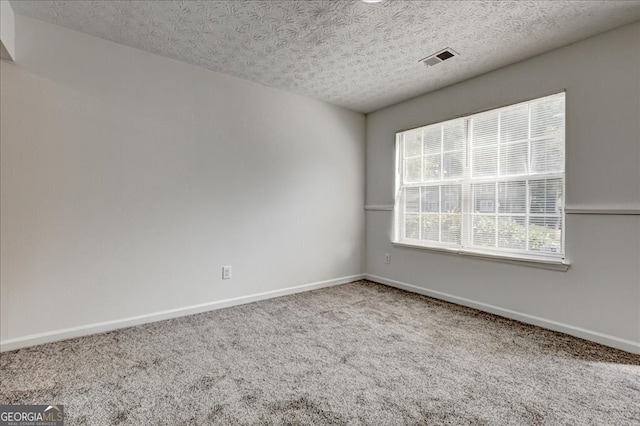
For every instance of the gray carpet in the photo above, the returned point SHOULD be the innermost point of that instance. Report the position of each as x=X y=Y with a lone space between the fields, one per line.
x=359 y=353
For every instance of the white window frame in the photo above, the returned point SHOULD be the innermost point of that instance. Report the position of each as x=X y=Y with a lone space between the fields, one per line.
x=556 y=261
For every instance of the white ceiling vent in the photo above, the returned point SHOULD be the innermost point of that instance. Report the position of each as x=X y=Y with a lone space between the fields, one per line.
x=438 y=57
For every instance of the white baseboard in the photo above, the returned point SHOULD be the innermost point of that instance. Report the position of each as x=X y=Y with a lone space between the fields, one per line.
x=101 y=327
x=594 y=336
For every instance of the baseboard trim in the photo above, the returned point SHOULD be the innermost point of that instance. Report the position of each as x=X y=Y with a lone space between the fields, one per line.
x=594 y=336
x=102 y=327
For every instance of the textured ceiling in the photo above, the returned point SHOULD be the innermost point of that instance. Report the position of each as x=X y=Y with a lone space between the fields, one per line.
x=360 y=56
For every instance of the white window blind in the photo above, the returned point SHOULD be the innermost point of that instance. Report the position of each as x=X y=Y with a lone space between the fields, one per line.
x=492 y=181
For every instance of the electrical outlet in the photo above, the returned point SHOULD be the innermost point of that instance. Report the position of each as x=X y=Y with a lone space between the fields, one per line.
x=387 y=258
x=226 y=272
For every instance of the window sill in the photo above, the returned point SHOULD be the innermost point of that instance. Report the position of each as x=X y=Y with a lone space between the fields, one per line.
x=556 y=265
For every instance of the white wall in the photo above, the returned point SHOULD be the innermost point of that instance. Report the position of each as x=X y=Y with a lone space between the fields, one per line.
x=599 y=297
x=129 y=180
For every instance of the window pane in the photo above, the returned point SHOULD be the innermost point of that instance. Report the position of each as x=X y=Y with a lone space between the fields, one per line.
x=514 y=124
x=452 y=167
x=412 y=226
x=412 y=200
x=484 y=231
x=547 y=118
x=432 y=139
x=485 y=129
x=512 y=197
x=484 y=197
x=547 y=155
x=454 y=135
x=545 y=234
x=493 y=180
x=431 y=199
x=545 y=196
x=413 y=143
x=451 y=228
x=451 y=198
x=485 y=162
x=432 y=167
x=514 y=159
x=430 y=226
x=512 y=232
x=413 y=170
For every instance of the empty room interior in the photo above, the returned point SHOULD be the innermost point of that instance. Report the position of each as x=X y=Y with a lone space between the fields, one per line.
x=320 y=212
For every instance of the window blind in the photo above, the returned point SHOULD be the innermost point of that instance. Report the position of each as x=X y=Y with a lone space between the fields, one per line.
x=492 y=181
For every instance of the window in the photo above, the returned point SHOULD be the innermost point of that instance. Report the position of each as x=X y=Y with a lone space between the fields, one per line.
x=489 y=182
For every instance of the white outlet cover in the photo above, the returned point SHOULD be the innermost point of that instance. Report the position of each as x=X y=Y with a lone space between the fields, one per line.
x=226 y=272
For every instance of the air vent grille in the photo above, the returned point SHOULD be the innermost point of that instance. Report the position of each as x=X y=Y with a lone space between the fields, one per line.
x=438 y=57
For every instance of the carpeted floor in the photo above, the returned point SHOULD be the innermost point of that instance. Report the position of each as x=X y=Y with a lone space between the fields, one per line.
x=359 y=353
